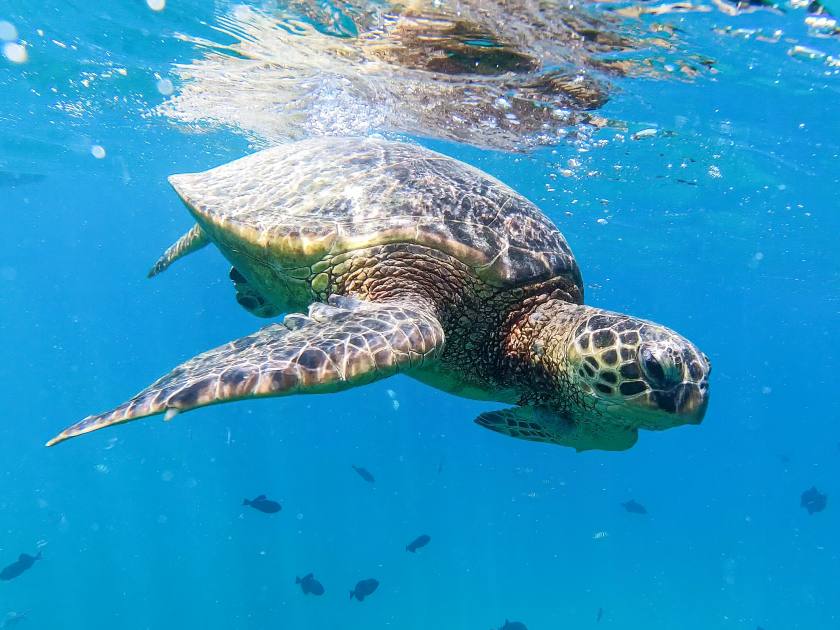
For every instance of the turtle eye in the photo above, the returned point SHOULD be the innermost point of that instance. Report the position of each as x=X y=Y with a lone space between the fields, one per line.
x=653 y=368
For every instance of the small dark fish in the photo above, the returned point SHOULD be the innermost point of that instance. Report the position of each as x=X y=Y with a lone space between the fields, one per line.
x=443 y=461
x=634 y=507
x=600 y=615
x=308 y=584
x=264 y=505
x=364 y=588
x=813 y=500
x=417 y=543
x=513 y=625
x=364 y=474
x=22 y=564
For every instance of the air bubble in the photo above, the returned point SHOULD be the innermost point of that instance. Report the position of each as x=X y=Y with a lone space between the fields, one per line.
x=395 y=403
x=165 y=87
x=156 y=5
x=756 y=260
x=97 y=151
x=16 y=53
x=8 y=32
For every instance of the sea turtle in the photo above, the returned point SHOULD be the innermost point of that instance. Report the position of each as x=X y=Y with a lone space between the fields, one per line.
x=410 y=261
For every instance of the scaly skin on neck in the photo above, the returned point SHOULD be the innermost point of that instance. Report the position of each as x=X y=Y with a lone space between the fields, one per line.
x=479 y=360
x=535 y=355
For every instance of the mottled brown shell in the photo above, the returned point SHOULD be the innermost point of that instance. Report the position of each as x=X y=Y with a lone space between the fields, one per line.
x=326 y=196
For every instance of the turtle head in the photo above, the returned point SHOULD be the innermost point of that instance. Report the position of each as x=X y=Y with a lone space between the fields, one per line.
x=640 y=373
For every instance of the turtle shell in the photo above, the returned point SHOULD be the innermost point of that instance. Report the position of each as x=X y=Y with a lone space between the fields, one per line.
x=303 y=201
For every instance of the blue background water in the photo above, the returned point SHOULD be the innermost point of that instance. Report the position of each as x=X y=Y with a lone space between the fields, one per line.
x=142 y=526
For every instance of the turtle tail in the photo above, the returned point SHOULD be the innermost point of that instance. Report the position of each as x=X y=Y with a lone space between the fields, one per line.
x=190 y=242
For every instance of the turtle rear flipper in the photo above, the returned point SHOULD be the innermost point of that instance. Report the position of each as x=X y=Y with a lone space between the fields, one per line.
x=541 y=425
x=250 y=299
x=339 y=345
x=192 y=241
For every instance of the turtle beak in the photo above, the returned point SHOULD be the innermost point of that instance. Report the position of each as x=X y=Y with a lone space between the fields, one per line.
x=694 y=401
x=688 y=401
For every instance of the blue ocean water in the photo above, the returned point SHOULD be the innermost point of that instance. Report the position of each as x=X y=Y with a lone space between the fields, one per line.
x=723 y=225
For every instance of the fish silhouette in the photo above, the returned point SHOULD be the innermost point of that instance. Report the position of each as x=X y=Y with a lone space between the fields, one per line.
x=364 y=588
x=634 y=507
x=263 y=504
x=308 y=584
x=364 y=474
x=513 y=625
x=813 y=500
x=21 y=565
x=417 y=543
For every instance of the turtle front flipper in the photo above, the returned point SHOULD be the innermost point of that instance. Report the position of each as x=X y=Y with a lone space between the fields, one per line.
x=541 y=425
x=339 y=345
x=250 y=299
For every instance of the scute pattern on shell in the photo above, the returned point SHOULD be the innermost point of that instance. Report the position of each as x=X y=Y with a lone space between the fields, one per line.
x=333 y=195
